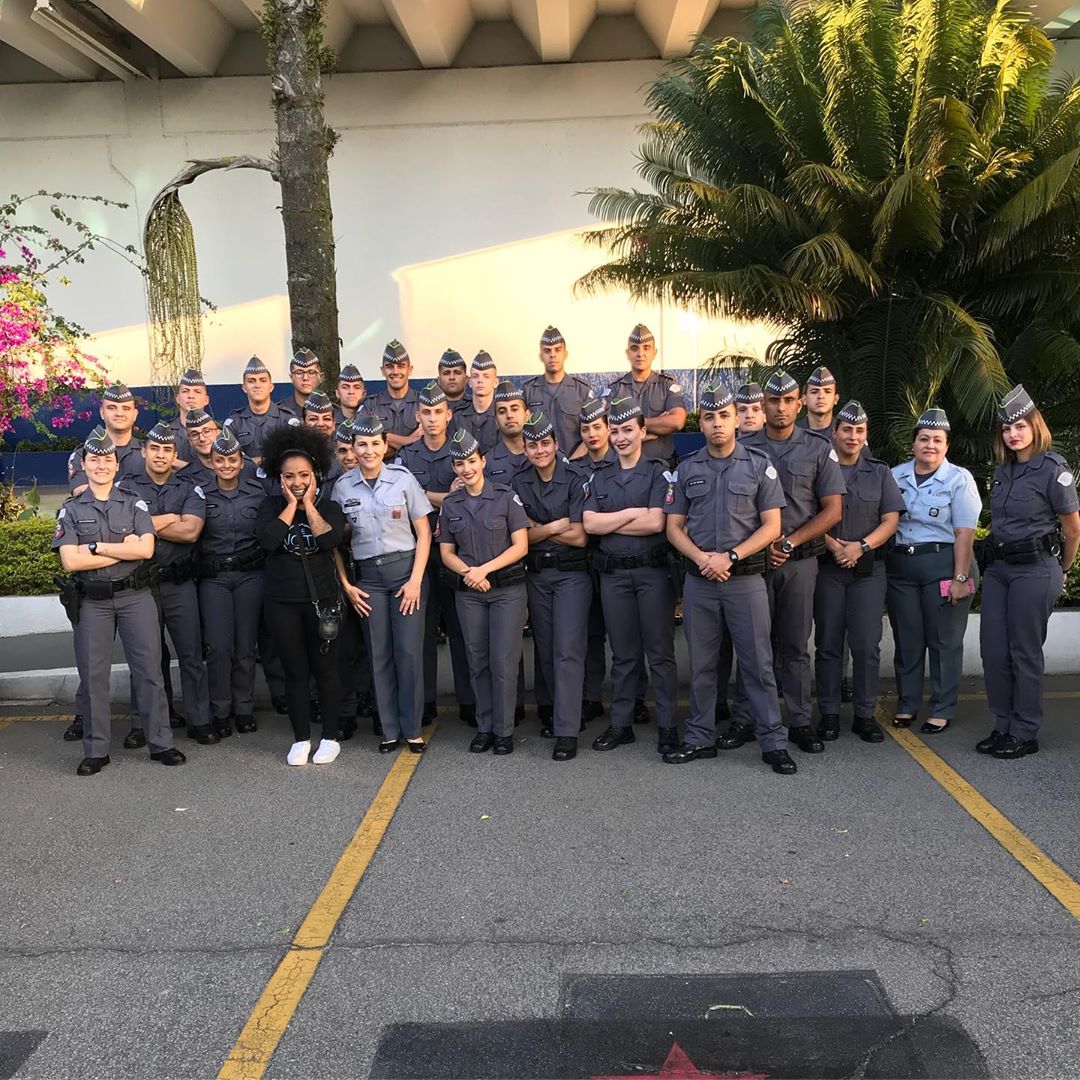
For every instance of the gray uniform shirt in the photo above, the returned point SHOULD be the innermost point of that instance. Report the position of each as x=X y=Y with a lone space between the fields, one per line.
x=398 y=415
x=128 y=457
x=808 y=471
x=86 y=520
x=481 y=424
x=722 y=498
x=871 y=492
x=172 y=497
x=563 y=496
x=381 y=514
x=1028 y=497
x=231 y=516
x=251 y=428
x=615 y=488
x=501 y=464
x=656 y=395
x=561 y=402
x=480 y=526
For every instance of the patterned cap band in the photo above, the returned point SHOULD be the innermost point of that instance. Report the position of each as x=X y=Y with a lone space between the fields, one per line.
x=192 y=377
x=1016 y=404
x=641 y=335
x=395 y=353
x=161 y=434
x=482 y=361
x=225 y=443
x=196 y=418
x=821 y=376
x=98 y=442
x=344 y=432
x=538 y=427
x=303 y=359
x=463 y=445
x=432 y=394
x=749 y=394
x=451 y=359
x=118 y=392
x=318 y=402
x=852 y=413
x=350 y=373
x=623 y=409
x=552 y=336
x=368 y=423
x=256 y=367
x=933 y=418
x=715 y=397
x=780 y=382
x=507 y=391
x=591 y=410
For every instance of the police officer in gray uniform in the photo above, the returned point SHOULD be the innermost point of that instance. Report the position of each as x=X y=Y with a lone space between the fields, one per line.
x=658 y=394
x=178 y=511
x=251 y=423
x=478 y=412
x=306 y=375
x=351 y=393
x=453 y=380
x=558 y=583
x=483 y=533
x=105 y=538
x=723 y=510
x=821 y=396
x=507 y=457
x=557 y=393
x=849 y=599
x=118 y=413
x=231 y=585
x=813 y=490
x=1034 y=535
x=396 y=405
x=624 y=507
x=191 y=393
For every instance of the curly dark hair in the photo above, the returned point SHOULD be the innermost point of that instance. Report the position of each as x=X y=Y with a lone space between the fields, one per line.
x=285 y=442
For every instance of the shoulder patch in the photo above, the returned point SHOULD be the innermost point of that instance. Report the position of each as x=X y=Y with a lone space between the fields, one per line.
x=832 y=454
x=675 y=388
x=770 y=472
x=671 y=476
x=260 y=472
x=518 y=500
x=606 y=392
x=140 y=504
x=1065 y=479
x=198 y=491
x=228 y=421
x=294 y=421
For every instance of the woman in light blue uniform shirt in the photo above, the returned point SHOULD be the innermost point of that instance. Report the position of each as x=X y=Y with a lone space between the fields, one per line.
x=930 y=572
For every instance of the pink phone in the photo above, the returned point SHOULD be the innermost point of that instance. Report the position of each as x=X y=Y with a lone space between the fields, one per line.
x=946 y=585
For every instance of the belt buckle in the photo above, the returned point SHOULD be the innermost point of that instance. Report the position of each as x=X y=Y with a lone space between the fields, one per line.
x=910 y=549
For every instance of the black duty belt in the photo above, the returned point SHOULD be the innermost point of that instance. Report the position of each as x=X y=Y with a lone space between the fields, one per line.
x=920 y=549
x=810 y=550
x=1021 y=552
x=105 y=590
x=175 y=573
x=508 y=575
x=239 y=560
x=753 y=564
x=606 y=564
x=557 y=560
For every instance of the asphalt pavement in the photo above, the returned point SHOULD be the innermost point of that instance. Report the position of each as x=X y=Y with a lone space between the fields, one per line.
x=610 y=916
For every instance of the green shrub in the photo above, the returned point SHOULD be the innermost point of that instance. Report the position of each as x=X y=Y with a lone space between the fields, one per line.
x=27 y=564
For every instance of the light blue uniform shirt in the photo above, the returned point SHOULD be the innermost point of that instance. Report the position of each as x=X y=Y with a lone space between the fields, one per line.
x=381 y=516
x=949 y=500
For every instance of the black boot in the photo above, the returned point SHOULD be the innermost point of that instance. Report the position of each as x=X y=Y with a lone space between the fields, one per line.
x=866 y=727
x=805 y=739
x=1010 y=748
x=641 y=711
x=546 y=715
x=736 y=735
x=246 y=724
x=781 y=762
x=135 y=739
x=991 y=742
x=565 y=749
x=223 y=728
x=829 y=727
x=204 y=735
x=613 y=737
x=482 y=741
x=73 y=732
x=667 y=739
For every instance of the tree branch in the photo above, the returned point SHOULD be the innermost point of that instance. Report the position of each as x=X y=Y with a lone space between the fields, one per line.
x=199 y=166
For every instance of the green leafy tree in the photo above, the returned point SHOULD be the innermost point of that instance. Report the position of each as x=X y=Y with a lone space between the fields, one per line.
x=895 y=183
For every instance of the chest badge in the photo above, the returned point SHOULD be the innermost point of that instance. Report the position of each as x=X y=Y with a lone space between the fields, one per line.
x=395 y=513
x=934 y=511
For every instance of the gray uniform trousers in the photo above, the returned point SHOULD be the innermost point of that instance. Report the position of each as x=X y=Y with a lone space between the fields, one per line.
x=440 y=602
x=791 y=607
x=134 y=615
x=395 y=643
x=491 y=624
x=231 y=606
x=736 y=610
x=851 y=605
x=354 y=666
x=559 y=603
x=1016 y=604
x=595 y=657
x=639 y=610
x=921 y=622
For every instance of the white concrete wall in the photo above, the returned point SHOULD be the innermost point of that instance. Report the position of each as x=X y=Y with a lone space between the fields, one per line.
x=433 y=168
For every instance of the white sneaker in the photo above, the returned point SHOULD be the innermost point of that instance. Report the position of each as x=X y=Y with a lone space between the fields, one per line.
x=299 y=752
x=328 y=750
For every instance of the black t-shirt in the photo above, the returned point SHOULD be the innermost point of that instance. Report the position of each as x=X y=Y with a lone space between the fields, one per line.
x=285 y=579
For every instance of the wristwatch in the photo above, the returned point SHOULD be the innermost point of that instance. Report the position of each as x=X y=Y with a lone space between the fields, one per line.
x=786 y=546
x=92 y=547
x=733 y=556
x=866 y=548
x=961 y=578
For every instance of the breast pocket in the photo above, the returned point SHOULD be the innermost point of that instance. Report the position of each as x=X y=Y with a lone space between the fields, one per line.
x=88 y=530
x=743 y=495
x=801 y=478
x=939 y=510
x=121 y=523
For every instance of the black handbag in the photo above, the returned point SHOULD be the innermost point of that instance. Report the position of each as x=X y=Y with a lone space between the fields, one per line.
x=329 y=614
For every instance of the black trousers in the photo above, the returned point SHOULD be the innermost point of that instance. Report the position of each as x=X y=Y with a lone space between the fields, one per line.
x=295 y=630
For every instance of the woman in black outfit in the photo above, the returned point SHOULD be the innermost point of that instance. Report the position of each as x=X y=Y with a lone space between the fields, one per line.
x=302 y=523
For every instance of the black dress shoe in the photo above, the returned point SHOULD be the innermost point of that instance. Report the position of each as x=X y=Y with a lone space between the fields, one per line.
x=246 y=724
x=591 y=710
x=682 y=754
x=614 y=736
x=667 y=739
x=847 y=691
x=565 y=748
x=866 y=727
x=135 y=739
x=722 y=713
x=376 y=724
x=416 y=746
x=365 y=704
x=991 y=742
x=780 y=761
x=482 y=742
x=280 y=705
x=736 y=735
x=389 y=747
x=73 y=732
x=169 y=757
x=203 y=734
x=641 y=711
x=829 y=727
x=346 y=729
x=545 y=714
x=504 y=744
x=1012 y=748
x=176 y=721
x=467 y=714
x=934 y=729
x=805 y=739
x=547 y=731
x=519 y=715
x=430 y=712
x=91 y=765
x=222 y=728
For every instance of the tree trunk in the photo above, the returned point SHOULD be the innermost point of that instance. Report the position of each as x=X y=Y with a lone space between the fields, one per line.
x=304 y=144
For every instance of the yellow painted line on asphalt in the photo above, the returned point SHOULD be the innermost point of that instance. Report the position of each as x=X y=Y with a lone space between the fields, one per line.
x=1028 y=854
x=274 y=1010
x=4 y=722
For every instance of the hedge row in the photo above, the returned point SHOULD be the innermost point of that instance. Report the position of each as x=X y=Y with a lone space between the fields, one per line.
x=27 y=564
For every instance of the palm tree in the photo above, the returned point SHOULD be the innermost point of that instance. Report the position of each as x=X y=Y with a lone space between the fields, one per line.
x=898 y=183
